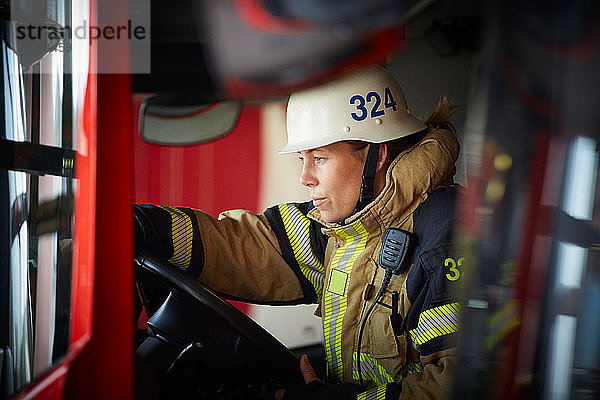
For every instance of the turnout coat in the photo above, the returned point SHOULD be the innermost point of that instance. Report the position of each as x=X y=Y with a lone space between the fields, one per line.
x=289 y=255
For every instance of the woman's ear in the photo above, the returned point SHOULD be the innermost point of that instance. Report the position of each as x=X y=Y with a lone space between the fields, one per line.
x=383 y=155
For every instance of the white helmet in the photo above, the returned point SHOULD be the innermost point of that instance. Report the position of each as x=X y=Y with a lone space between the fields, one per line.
x=367 y=106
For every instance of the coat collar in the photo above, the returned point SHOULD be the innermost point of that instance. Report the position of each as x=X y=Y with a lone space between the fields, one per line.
x=410 y=178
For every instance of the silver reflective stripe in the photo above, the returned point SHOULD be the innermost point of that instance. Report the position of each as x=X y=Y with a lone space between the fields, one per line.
x=370 y=368
x=377 y=393
x=335 y=305
x=435 y=322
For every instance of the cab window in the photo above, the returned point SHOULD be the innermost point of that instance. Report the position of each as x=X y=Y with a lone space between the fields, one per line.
x=37 y=185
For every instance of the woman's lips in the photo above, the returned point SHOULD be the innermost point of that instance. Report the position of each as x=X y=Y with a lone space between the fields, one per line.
x=318 y=202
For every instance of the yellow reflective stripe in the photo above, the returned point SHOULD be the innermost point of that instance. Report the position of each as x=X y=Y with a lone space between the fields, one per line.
x=360 y=247
x=332 y=332
x=370 y=368
x=182 y=233
x=437 y=311
x=433 y=333
x=381 y=392
x=335 y=305
x=435 y=322
x=413 y=334
x=377 y=393
x=297 y=228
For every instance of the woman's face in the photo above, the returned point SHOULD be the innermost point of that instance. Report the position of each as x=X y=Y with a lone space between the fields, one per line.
x=333 y=175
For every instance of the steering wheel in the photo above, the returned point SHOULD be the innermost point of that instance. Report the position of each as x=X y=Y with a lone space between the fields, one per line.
x=199 y=345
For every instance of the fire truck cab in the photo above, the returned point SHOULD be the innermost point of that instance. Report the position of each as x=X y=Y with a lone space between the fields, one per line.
x=108 y=102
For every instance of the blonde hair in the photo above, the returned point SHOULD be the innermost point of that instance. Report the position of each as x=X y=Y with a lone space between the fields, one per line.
x=440 y=117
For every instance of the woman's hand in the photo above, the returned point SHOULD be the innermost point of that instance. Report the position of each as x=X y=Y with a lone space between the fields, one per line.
x=314 y=389
x=307 y=372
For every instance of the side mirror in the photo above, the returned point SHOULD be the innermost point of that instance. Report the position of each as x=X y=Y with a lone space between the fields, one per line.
x=169 y=123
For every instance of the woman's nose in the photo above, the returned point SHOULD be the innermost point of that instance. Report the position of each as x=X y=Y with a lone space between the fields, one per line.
x=307 y=177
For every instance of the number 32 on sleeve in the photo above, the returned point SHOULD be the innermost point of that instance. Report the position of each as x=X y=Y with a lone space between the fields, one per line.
x=454 y=272
x=360 y=102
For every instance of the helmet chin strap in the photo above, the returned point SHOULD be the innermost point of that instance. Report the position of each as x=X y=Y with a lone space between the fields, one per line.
x=368 y=178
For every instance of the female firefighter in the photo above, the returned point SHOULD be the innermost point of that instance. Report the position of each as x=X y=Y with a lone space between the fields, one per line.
x=372 y=248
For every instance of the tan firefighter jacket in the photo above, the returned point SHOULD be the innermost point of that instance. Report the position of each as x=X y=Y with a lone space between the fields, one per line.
x=288 y=255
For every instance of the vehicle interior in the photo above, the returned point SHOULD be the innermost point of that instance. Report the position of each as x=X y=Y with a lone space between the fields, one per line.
x=193 y=115
x=173 y=112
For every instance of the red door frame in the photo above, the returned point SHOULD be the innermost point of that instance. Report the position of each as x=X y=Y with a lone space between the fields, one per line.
x=110 y=351
x=99 y=363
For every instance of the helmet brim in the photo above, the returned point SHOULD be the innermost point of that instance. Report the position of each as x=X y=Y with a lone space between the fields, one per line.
x=409 y=124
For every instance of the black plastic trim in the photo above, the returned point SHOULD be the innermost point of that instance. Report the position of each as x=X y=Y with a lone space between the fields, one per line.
x=37 y=158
